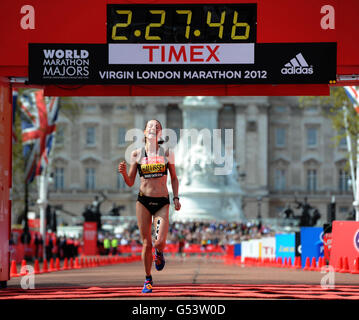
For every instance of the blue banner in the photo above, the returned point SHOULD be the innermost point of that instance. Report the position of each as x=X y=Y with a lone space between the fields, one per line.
x=285 y=246
x=237 y=250
x=311 y=243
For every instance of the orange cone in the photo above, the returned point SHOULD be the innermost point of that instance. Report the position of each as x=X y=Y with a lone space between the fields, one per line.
x=290 y=265
x=356 y=266
x=77 y=265
x=295 y=264
x=86 y=263
x=276 y=262
x=238 y=261
x=307 y=264
x=340 y=265
x=320 y=263
x=284 y=264
x=23 y=268
x=314 y=265
x=261 y=262
x=44 y=267
x=272 y=262
x=82 y=263
x=57 y=264
x=71 y=263
x=345 y=266
x=299 y=265
x=52 y=267
x=66 y=264
x=37 y=267
x=13 y=270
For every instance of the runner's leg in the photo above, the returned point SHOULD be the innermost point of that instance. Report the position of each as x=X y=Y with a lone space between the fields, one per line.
x=144 y=220
x=161 y=224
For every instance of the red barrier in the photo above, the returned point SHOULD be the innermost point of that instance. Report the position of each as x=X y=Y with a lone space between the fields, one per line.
x=327 y=242
x=345 y=242
x=90 y=238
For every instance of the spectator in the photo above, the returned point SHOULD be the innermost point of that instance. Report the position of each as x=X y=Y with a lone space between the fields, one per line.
x=106 y=245
x=181 y=243
x=114 y=245
x=38 y=243
x=49 y=246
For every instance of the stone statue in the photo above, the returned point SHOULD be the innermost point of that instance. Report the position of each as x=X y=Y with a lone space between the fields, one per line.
x=204 y=193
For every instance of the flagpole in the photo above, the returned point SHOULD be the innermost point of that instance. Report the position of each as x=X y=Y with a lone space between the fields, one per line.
x=349 y=147
x=353 y=95
x=42 y=202
x=356 y=199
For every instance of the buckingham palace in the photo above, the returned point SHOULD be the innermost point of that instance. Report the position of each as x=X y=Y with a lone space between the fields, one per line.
x=282 y=152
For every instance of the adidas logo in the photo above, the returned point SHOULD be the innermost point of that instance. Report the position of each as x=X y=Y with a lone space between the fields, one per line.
x=297 y=65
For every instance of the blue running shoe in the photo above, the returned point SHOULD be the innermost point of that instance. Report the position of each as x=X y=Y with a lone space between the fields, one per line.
x=147 y=287
x=159 y=260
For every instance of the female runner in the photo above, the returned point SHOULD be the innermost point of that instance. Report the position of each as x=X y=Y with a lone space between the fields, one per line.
x=152 y=163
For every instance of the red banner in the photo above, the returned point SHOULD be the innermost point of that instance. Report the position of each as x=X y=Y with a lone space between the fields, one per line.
x=345 y=242
x=5 y=177
x=90 y=238
x=327 y=242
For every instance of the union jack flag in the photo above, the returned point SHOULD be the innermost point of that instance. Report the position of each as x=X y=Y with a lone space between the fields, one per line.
x=353 y=95
x=38 y=124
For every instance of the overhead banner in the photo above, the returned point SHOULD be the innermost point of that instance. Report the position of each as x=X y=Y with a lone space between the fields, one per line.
x=186 y=63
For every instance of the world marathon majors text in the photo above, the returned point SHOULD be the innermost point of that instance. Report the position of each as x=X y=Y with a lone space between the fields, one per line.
x=213 y=74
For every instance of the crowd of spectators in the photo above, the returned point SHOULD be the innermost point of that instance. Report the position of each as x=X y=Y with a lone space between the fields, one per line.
x=204 y=233
x=179 y=233
x=216 y=233
x=55 y=246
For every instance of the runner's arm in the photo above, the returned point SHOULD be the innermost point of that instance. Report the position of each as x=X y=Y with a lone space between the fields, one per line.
x=130 y=177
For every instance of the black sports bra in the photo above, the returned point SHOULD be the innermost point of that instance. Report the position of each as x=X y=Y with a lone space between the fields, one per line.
x=152 y=167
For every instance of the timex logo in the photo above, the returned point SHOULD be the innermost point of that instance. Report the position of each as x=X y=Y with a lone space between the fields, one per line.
x=185 y=53
x=192 y=53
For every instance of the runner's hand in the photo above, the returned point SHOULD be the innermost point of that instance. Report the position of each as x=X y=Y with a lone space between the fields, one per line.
x=177 y=204
x=122 y=168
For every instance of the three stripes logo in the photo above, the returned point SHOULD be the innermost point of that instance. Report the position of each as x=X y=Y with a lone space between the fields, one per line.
x=297 y=65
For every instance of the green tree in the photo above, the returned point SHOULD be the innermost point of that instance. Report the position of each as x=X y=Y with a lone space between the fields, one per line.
x=337 y=107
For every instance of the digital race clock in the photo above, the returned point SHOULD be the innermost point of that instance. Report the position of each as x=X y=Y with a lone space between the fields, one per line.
x=181 y=23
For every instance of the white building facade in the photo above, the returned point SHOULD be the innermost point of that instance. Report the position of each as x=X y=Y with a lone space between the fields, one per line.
x=282 y=151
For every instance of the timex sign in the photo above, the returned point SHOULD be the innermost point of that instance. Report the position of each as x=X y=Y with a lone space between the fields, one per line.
x=128 y=53
x=182 y=63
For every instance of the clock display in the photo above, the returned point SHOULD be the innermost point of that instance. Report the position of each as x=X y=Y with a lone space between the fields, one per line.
x=181 y=23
